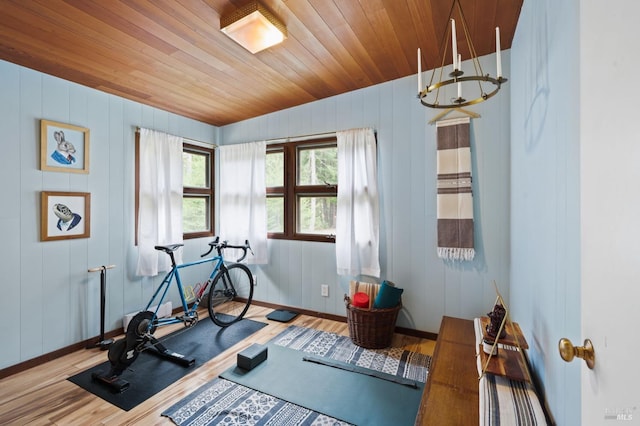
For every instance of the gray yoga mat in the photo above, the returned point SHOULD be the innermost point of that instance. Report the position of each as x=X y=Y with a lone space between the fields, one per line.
x=349 y=396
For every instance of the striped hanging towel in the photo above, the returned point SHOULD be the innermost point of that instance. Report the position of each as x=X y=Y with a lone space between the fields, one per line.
x=455 y=201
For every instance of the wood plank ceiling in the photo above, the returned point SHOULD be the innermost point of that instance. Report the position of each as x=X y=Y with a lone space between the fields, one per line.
x=170 y=54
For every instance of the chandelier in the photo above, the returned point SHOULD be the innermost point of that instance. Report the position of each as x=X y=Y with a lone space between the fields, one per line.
x=478 y=87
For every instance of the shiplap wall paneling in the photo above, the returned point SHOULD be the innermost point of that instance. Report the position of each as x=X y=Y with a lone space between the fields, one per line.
x=407 y=185
x=32 y=281
x=402 y=195
x=384 y=138
x=52 y=297
x=56 y=258
x=97 y=122
x=13 y=214
x=113 y=249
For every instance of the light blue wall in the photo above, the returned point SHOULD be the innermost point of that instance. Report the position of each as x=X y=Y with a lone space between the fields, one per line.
x=52 y=300
x=545 y=198
x=407 y=184
x=48 y=300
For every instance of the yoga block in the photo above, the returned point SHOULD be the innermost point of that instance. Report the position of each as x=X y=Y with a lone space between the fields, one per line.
x=252 y=356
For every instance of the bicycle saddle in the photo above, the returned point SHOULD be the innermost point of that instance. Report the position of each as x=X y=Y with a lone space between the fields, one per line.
x=169 y=247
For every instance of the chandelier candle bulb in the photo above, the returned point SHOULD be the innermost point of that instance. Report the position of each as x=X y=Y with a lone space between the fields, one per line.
x=498 y=58
x=459 y=84
x=454 y=44
x=419 y=73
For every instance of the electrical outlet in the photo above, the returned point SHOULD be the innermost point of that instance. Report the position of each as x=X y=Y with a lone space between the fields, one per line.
x=255 y=280
x=324 y=290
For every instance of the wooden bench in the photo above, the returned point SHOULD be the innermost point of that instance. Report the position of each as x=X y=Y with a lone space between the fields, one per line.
x=450 y=396
x=452 y=393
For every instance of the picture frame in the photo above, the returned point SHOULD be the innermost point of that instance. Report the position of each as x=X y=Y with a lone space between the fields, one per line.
x=63 y=147
x=64 y=215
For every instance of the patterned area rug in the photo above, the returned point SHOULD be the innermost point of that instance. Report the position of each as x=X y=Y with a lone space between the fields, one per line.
x=395 y=361
x=224 y=402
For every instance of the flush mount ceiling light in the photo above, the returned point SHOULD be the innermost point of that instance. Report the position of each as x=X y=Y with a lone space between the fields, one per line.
x=253 y=27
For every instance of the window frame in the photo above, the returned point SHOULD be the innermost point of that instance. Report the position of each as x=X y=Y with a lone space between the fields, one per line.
x=201 y=192
x=194 y=146
x=291 y=191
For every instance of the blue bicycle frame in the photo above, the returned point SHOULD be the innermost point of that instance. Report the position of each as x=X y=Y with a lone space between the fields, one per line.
x=166 y=283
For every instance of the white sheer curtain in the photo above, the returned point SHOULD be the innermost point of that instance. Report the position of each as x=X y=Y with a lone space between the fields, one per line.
x=358 y=216
x=160 y=199
x=243 y=197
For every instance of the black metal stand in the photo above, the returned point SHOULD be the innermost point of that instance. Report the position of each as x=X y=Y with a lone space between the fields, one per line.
x=112 y=379
x=158 y=349
x=114 y=383
x=102 y=343
x=125 y=351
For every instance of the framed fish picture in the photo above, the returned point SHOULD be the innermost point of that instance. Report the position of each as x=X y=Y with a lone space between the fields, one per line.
x=64 y=215
x=63 y=147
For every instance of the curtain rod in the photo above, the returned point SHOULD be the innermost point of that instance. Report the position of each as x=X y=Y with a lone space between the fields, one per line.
x=197 y=142
x=300 y=137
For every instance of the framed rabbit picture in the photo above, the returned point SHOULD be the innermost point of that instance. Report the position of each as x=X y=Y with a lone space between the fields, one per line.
x=63 y=147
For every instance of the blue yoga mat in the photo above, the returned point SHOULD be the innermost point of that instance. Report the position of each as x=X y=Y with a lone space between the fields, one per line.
x=350 y=396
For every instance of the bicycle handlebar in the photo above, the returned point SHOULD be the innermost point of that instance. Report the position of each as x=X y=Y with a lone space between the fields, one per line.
x=219 y=246
x=212 y=244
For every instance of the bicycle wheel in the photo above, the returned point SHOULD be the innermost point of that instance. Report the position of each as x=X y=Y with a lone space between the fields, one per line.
x=230 y=294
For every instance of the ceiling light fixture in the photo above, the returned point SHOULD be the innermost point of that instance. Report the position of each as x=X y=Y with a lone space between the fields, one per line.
x=253 y=27
x=430 y=95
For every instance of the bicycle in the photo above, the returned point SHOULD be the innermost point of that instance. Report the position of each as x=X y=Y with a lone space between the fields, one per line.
x=230 y=294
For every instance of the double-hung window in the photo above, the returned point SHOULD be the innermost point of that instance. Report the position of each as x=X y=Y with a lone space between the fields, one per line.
x=301 y=179
x=197 y=193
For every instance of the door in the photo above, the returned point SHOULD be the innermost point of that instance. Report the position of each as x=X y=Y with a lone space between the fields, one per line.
x=610 y=210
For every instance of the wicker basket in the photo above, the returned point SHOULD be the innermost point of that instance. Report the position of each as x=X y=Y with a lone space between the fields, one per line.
x=371 y=329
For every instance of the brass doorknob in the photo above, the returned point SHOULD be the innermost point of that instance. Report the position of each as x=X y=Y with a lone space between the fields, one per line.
x=586 y=352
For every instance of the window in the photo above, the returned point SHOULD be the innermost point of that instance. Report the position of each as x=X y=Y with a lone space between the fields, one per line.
x=302 y=190
x=197 y=194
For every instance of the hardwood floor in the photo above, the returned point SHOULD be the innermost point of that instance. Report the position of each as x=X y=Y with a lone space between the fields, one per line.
x=43 y=396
